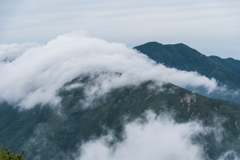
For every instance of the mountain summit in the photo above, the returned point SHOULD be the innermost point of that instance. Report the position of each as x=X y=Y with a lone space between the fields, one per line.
x=182 y=57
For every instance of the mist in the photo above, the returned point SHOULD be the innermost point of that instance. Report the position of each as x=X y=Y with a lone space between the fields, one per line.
x=150 y=136
x=157 y=137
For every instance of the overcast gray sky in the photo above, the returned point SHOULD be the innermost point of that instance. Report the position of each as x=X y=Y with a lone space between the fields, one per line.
x=211 y=27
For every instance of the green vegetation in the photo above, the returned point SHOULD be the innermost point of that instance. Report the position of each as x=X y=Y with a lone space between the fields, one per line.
x=53 y=133
x=6 y=154
x=17 y=126
x=230 y=63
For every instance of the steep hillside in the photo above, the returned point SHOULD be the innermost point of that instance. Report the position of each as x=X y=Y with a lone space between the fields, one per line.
x=182 y=57
x=17 y=126
x=230 y=63
x=56 y=135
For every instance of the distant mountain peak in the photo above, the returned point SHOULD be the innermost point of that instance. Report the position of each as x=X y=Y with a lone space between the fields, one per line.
x=153 y=43
x=183 y=57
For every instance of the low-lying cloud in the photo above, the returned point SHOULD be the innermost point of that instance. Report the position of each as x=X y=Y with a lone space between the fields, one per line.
x=159 y=137
x=39 y=72
x=150 y=136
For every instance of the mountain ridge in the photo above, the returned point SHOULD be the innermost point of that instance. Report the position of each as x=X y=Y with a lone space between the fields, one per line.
x=182 y=57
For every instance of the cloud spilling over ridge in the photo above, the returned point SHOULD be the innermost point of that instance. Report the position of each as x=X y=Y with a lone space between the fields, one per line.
x=36 y=75
x=158 y=138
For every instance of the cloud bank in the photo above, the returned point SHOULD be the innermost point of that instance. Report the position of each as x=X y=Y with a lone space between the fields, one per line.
x=9 y=52
x=39 y=72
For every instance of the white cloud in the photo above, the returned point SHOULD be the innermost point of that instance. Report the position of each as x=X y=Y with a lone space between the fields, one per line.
x=36 y=75
x=8 y=52
x=158 y=138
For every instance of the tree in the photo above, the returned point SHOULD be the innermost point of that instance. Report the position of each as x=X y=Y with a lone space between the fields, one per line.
x=6 y=154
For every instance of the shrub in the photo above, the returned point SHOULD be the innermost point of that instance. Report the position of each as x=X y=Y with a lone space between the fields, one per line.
x=6 y=154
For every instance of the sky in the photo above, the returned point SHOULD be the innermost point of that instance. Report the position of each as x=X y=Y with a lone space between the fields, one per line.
x=211 y=27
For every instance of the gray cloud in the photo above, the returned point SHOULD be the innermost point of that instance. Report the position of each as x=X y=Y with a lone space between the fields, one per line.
x=36 y=75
